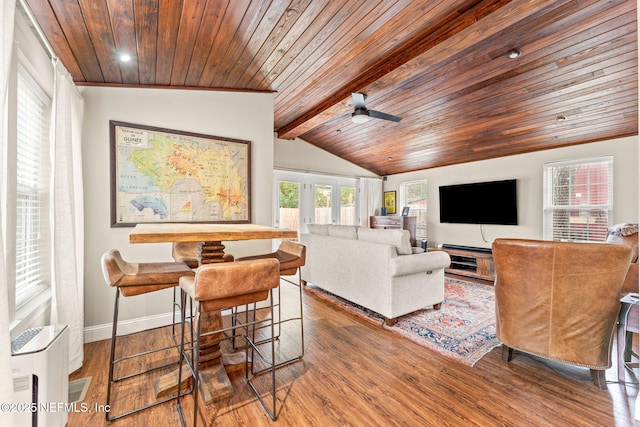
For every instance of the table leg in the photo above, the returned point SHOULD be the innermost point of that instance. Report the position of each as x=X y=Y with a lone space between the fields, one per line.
x=215 y=383
x=211 y=252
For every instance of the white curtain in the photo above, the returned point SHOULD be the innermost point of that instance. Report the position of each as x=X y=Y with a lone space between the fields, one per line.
x=370 y=199
x=67 y=219
x=7 y=12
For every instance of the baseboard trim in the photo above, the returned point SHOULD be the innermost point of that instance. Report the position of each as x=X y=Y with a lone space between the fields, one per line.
x=103 y=332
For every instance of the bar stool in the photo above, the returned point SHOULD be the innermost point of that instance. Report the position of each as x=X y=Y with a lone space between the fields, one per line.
x=186 y=252
x=221 y=286
x=291 y=256
x=132 y=279
x=189 y=253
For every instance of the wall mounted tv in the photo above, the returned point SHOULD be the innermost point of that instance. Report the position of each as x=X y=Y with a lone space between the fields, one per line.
x=494 y=202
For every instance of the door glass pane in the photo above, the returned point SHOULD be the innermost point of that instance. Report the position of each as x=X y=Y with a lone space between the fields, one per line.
x=322 y=211
x=348 y=205
x=289 y=205
x=415 y=193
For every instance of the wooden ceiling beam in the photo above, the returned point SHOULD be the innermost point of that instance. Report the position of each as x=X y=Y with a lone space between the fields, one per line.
x=451 y=38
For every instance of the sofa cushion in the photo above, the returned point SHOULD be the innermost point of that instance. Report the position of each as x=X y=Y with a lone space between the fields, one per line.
x=343 y=231
x=322 y=229
x=398 y=238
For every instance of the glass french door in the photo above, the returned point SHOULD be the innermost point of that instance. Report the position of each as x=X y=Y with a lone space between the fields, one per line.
x=302 y=199
x=323 y=192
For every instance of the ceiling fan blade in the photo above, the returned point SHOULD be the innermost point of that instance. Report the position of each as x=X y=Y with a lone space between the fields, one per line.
x=358 y=100
x=384 y=116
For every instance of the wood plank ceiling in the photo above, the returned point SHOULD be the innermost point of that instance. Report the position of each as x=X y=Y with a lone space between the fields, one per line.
x=441 y=65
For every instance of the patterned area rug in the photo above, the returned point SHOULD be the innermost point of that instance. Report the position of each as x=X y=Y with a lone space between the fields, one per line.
x=463 y=329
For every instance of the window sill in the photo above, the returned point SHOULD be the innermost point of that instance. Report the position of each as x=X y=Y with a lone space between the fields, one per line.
x=34 y=313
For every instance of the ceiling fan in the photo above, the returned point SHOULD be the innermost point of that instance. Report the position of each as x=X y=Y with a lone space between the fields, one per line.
x=361 y=114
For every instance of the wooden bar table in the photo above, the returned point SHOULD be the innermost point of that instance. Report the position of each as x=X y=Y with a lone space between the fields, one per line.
x=213 y=377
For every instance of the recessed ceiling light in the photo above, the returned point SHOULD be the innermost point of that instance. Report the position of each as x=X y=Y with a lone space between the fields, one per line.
x=514 y=53
x=389 y=158
x=125 y=57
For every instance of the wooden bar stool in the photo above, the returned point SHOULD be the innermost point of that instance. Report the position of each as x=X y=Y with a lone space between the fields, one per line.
x=132 y=279
x=189 y=253
x=221 y=286
x=186 y=252
x=291 y=256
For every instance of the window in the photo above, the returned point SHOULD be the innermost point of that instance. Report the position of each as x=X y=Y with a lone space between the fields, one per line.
x=32 y=264
x=414 y=195
x=578 y=199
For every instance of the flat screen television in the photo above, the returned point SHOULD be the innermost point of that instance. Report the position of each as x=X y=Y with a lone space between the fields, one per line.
x=494 y=202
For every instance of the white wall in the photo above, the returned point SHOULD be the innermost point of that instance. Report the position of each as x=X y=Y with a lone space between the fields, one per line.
x=527 y=169
x=299 y=155
x=246 y=116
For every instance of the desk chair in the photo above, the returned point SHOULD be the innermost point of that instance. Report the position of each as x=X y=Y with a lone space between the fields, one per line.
x=221 y=286
x=132 y=279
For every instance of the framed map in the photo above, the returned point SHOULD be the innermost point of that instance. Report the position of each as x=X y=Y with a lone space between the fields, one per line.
x=163 y=175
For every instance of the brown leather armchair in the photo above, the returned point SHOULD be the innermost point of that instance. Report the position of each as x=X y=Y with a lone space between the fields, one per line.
x=559 y=300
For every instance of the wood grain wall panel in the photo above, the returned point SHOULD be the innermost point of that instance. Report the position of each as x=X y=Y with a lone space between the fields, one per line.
x=169 y=15
x=209 y=28
x=191 y=20
x=96 y=14
x=272 y=37
x=215 y=61
x=69 y=16
x=246 y=54
x=244 y=43
x=56 y=37
x=328 y=45
x=124 y=36
x=146 y=24
x=302 y=41
x=441 y=65
x=289 y=25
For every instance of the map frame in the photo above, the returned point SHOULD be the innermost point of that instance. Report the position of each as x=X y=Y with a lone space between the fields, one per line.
x=204 y=140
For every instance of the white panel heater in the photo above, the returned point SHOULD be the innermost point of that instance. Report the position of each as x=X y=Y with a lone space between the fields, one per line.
x=40 y=362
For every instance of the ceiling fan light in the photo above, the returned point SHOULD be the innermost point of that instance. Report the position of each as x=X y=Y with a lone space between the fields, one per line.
x=359 y=117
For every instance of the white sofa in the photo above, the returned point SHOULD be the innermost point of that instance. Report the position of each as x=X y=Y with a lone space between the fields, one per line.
x=374 y=268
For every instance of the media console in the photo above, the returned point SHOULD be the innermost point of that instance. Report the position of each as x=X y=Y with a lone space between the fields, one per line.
x=470 y=261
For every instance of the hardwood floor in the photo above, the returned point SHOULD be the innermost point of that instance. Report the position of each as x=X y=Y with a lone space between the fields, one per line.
x=357 y=374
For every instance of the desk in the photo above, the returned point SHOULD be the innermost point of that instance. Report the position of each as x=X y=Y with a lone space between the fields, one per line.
x=628 y=323
x=213 y=375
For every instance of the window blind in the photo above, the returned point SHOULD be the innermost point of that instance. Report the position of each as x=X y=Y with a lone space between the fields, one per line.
x=578 y=199
x=32 y=190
